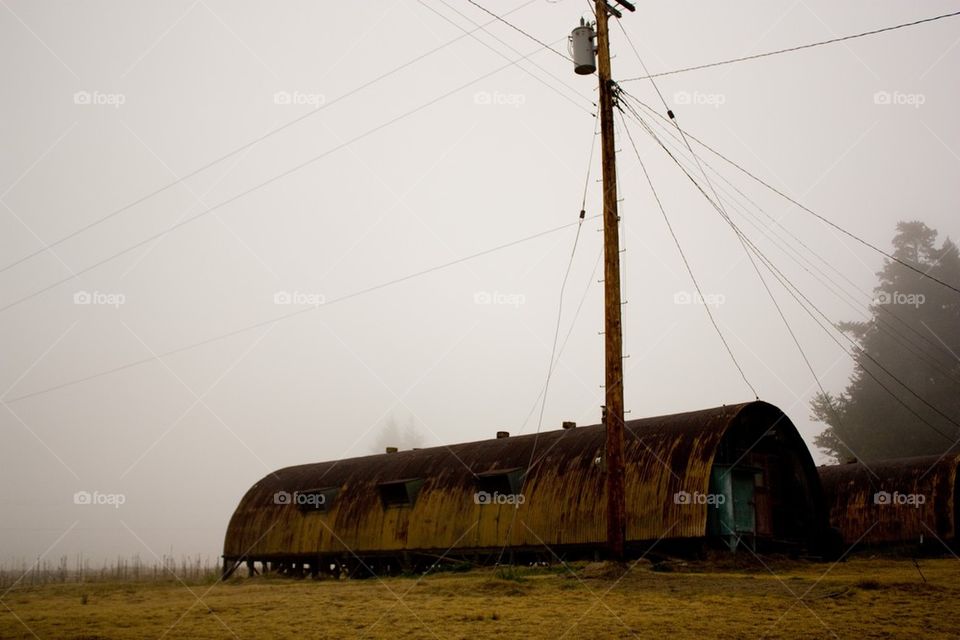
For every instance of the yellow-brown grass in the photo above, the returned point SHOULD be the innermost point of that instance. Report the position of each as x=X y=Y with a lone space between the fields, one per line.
x=861 y=598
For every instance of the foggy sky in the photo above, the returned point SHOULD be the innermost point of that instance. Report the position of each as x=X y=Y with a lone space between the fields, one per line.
x=462 y=352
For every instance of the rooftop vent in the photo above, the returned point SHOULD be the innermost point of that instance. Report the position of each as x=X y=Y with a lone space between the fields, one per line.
x=569 y=425
x=503 y=434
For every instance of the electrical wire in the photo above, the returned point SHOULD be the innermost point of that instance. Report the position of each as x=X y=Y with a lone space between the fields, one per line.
x=913 y=348
x=566 y=338
x=553 y=348
x=546 y=388
x=583 y=298
x=716 y=196
x=259 y=186
x=686 y=263
x=773 y=299
x=793 y=288
x=518 y=29
x=796 y=48
x=248 y=144
x=806 y=209
x=296 y=313
x=834 y=287
x=916 y=350
x=503 y=55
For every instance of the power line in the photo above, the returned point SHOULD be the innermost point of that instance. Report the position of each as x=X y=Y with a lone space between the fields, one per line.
x=796 y=48
x=563 y=288
x=518 y=29
x=504 y=56
x=784 y=281
x=249 y=144
x=642 y=65
x=259 y=186
x=296 y=313
x=716 y=196
x=583 y=298
x=672 y=120
x=823 y=219
x=683 y=257
x=763 y=281
x=546 y=385
x=553 y=348
x=566 y=338
x=903 y=340
x=882 y=324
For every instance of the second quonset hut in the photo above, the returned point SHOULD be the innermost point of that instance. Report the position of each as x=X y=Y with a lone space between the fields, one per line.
x=900 y=501
x=730 y=476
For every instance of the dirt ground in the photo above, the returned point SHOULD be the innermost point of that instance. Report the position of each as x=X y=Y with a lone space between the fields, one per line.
x=859 y=598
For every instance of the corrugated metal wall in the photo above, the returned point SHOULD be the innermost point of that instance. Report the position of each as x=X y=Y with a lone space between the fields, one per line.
x=564 y=492
x=872 y=502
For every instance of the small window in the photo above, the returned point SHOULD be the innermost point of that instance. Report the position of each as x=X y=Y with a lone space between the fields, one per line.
x=502 y=483
x=316 y=500
x=399 y=493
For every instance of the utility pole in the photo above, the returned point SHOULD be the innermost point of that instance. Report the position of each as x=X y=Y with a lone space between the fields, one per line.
x=613 y=349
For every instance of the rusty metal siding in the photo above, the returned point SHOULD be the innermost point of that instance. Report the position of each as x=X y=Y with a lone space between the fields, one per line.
x=564 y=491
x=850 y=491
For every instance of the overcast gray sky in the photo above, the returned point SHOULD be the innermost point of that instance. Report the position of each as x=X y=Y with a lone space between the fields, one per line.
x=106 y=102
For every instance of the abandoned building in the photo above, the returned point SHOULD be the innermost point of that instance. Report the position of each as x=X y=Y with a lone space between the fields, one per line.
x=897 y=501
x=731 y=476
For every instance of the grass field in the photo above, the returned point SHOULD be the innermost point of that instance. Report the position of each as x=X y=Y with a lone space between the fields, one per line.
x=860 y=598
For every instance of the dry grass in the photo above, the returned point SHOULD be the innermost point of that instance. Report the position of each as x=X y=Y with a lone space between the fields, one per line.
x=861 y=598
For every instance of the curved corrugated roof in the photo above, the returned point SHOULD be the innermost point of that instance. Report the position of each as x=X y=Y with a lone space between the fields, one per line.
x=563 y=493
x=850 y=491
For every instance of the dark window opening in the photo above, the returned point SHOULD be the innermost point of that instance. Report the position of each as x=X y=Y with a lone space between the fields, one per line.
x=399 y=493
x=502 y=482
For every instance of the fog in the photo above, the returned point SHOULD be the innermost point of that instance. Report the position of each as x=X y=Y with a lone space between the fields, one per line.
x=107 y=102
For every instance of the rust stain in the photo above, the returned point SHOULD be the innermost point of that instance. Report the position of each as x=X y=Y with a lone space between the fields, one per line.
x=907 y=499
x=563 y=493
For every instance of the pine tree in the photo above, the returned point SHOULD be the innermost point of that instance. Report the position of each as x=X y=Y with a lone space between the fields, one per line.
x=911 y=315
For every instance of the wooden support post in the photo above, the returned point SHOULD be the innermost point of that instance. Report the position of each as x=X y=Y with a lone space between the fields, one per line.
x=613 y=414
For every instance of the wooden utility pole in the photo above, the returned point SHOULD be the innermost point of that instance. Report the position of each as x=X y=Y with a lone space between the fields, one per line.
x=613 y=412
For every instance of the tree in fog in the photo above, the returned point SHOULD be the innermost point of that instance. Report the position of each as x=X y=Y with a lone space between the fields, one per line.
x=913 y=332
x=392 y=434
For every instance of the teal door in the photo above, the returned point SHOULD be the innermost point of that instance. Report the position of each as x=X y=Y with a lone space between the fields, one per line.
x=734 y=513
x=744 y=506
x=720 y=519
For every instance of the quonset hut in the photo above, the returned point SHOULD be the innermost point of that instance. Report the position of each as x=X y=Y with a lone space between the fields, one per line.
x=728 y=476
x=897 y=501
